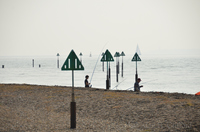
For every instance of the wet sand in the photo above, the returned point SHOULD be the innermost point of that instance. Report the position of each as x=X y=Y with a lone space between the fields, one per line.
x=47 y=108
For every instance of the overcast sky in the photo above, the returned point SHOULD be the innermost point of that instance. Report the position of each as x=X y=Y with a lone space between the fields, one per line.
x=48 y=27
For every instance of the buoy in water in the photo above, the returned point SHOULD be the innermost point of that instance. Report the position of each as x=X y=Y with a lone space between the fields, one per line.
x=197 y=93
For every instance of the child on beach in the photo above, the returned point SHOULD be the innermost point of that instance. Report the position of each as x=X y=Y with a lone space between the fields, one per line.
x=86 y=81
x=137 y=86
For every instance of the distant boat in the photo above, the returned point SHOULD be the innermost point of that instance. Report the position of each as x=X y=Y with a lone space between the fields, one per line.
x=138 y=50
x=90 y=54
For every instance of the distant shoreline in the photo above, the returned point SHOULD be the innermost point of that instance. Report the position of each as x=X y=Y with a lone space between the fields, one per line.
x=104 y=89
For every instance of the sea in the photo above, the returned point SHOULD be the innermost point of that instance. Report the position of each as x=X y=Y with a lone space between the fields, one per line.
x=165 y=73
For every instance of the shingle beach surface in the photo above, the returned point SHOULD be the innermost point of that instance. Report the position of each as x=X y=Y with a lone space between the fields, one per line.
x=47 y=108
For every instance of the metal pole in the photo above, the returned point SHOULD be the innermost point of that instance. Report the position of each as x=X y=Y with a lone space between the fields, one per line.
x=73 y=105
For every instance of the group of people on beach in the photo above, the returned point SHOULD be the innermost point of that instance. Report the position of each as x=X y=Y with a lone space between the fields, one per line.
x=136 y=85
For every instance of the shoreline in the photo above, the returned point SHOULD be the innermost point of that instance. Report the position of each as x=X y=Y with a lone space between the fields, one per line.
x=26 y=107
x=96 y=88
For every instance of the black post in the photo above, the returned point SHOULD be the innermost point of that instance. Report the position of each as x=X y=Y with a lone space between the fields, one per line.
x=102 y=63
x=122 y=69
x=58 y=63
x=122 y=54
x=33 y=62
x=58 y=60
x=73 y=105
x=107 y=84
x=2 y=66
x=103 y=66
x=107 y=80
x=109 y=76
x=73 y=115
x=116 y=70
x=136 y=75
x=118 y=66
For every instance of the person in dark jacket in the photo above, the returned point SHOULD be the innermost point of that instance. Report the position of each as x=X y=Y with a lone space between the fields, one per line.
x=137 y=86
x=86 y=81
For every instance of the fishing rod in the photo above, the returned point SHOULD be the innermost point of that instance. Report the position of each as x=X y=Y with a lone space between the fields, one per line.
x=130 y=88
x=143 y=83
x=96 y=63
x=118 y=84
x=149 y=81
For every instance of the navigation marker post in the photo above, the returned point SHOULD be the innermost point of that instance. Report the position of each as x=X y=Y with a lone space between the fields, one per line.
x=33 y=62
x=107 y=57
x=117 y=55
x=102 y=62
x=57 y=60
x=81 y=57
x=136 y=58
x=122 y=54
x=72 y=63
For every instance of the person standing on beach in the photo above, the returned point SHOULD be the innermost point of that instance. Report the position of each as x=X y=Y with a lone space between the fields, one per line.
x=137 y=86
x=86 y=81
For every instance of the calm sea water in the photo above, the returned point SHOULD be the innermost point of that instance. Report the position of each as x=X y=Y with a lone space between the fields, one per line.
x=166 y=73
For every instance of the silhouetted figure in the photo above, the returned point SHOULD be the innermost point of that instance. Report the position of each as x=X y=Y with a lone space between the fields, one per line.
x=137 y=86
x=86 y=81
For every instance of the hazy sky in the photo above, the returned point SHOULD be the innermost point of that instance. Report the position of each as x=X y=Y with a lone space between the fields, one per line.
x=48 y=27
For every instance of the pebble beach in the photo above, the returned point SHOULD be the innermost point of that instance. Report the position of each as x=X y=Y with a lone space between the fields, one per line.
x=26 y=107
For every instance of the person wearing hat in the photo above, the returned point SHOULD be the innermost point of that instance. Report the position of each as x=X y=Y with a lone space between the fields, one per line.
x=137 y=86
x=86 y=81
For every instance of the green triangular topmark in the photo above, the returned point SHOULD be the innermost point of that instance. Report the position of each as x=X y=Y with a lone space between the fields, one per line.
x=122 y=54
x=107 y=56
x=72 y=62
x=117 y=54
x=136 y=57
